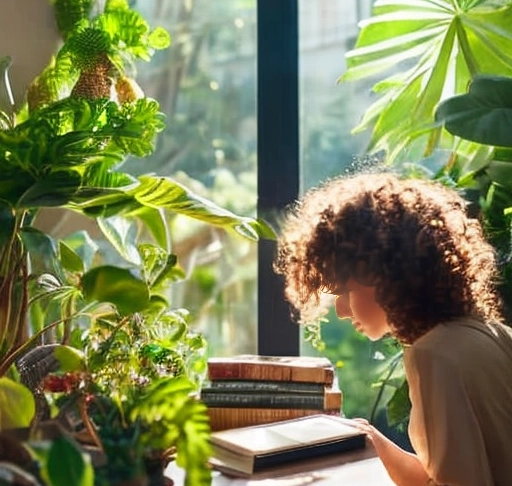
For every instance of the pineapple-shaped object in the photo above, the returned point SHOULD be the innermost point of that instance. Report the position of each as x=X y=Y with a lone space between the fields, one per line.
x=89 y=48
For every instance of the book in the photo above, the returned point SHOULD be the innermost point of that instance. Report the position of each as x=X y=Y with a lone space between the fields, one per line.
x=329 y=398
x=260 y=386
x=248 y=450
x=222 y=418
x=271 y=368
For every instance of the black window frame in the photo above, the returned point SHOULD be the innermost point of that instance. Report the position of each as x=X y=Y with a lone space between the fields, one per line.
x=278 y=161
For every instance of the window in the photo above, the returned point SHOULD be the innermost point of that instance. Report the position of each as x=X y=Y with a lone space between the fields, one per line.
x=255 y=117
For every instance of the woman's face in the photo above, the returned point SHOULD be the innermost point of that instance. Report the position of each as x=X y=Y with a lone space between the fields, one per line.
x=358 y=304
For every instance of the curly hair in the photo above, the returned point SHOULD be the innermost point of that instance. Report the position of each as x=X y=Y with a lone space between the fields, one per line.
x=412 y=239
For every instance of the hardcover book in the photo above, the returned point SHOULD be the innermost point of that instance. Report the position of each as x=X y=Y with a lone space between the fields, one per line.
x=222 y=418
x=249 y=450
x=260 y=386
x=272 y=368
x=329 y=398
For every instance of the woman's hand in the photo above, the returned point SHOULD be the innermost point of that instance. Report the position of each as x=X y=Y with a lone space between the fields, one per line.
x=403 y=467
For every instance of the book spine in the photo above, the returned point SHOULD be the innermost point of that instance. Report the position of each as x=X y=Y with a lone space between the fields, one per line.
x=273 y=400
x=269 y=372
x=222 y=418
x=258 y=386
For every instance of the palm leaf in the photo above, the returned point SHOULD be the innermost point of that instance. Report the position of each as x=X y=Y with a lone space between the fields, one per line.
x=444 y=44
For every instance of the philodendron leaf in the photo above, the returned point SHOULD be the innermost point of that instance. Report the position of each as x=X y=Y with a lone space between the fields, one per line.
x=17 y=405
x=67 y=465
x=119 y=286
x=484 y=114
x=69 y=358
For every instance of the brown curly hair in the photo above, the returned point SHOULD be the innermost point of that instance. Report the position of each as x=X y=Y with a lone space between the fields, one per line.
x=412 y=239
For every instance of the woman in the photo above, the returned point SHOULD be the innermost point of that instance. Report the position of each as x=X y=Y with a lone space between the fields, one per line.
x=403 y=258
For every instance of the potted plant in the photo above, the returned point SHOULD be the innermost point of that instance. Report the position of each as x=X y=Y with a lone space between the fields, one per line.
x=65 y=149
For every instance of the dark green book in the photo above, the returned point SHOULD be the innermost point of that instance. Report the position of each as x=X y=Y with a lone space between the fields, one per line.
x=257 y=386
x=329 y=399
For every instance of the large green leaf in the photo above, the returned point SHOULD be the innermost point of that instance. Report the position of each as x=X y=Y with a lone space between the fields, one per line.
x=444 y=44
x=157 y=193
x=119 y=286
x=68 y=465
x=163 y=192
x=17 y=405
x=484 y=114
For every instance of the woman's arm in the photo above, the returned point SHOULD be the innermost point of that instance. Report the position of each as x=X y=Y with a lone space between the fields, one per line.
x=403 y=467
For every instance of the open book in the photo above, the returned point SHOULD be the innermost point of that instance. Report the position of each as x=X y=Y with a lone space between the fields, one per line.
x=248 y=450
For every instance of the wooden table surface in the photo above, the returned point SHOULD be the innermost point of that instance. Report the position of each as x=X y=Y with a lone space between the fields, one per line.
x=359 y=468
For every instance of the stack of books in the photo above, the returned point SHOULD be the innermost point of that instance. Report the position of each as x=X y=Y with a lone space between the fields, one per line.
x=250 y=390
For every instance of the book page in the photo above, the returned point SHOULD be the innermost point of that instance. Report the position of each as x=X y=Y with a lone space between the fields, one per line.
x=316 y=429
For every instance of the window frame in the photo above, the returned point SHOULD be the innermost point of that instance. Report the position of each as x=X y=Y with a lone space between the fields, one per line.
x=278 y=147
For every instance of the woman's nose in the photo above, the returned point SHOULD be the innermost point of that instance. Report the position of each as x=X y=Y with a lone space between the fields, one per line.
x=342 y=307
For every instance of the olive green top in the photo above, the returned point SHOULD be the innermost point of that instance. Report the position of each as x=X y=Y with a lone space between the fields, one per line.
x=460 y=385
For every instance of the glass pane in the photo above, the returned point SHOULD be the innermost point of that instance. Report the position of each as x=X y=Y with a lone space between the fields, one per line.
x=205 y=83
x=329 y=111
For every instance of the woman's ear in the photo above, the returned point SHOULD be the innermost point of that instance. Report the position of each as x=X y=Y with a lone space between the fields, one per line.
x=342 y=307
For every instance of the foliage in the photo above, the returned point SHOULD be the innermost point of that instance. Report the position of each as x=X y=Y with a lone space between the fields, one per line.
x=444 y=111
x=62 y=462
x=66 y=149
x=17 y=405
x=483 y=114
x=436 y=47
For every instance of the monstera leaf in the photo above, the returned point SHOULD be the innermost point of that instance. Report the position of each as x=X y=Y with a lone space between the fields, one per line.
x=425 y=51
x=484 y=114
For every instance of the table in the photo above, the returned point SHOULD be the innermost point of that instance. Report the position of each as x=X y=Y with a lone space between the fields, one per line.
x=359 y=468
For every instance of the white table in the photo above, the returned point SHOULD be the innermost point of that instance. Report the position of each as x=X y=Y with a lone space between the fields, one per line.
x=359 y=468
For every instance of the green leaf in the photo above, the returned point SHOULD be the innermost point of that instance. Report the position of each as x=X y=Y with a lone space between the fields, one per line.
x=500 y=172
x=70 y=359
x=399 y=405
x=118 y=286
x=83 y=246
x=42 y=250
x=448 y=42
x=484 y=114
x=163 y=192
x=154 y=220
x=54 y=190
x=7 y=223
x=17 y=405
x=70 y=260
x=67 y=465
x=122 y=234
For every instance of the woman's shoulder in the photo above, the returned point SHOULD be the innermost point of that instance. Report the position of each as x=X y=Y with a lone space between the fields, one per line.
x=457 y=338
